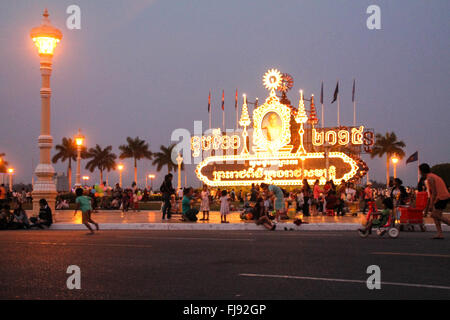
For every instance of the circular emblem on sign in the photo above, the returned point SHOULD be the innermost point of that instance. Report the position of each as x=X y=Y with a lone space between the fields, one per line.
x=272 y=79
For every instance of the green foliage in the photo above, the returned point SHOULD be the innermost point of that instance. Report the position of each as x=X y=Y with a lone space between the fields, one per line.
x=387 y=145
x=164 y=159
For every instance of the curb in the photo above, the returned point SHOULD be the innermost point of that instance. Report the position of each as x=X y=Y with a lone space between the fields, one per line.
x=223 y=227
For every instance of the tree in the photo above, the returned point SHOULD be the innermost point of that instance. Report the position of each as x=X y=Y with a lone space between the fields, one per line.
x=67 y=150
x=3 y=163
x=387 y=145
x=442 y=170
x=3 y=166
x=136 y=149
x=101 y=159
x=164 y=158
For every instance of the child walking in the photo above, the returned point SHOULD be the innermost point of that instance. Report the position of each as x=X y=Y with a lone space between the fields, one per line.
x=84 y=204
x=204 y=207
x=224 y=206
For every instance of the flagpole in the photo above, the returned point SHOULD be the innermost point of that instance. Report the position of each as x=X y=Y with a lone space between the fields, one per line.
x=418 y=164
x=321 y=102
x=237 y=109
x=322 y=117
x=338 y=109
x=354 y=103
x=210 y=109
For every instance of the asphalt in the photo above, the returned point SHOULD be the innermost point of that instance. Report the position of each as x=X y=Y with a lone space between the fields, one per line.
x=222 y=265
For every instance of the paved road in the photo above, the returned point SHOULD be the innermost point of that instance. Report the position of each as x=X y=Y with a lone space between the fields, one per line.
x=221 y=265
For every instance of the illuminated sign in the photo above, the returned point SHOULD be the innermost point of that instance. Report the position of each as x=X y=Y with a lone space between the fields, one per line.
x=272 y=158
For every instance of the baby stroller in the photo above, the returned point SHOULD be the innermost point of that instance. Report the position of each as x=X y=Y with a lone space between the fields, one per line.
x=382 y=224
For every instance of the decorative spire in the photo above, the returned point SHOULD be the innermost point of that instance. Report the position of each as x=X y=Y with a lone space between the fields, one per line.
x=313 y=115
x=301 y=116
x=245 y=118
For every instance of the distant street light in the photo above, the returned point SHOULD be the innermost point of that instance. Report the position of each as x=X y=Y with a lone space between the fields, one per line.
x=85 y=179
x=45 y=37
x=394 y=161
x=179 y=162
x=151 y=177
x=79 y=142
x=11 y=172
x=120 y=168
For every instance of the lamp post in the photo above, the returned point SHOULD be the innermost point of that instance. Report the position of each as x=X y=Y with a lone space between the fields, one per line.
x=179 y=162
x=45 y=37
x=394 y=161
x=120 y=168
x=11 y=172
x=85 y=179
x=151 y=177
x=79 y=142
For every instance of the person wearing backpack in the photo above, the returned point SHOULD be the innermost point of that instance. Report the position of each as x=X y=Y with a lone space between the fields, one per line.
x=167 y=190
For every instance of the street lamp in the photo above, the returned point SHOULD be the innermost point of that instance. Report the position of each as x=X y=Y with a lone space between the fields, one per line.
x=179 y=162
x=85 y=179
x=10 y=172
x=79 y=142
x=120 y=168
x=151 y=177
x=45 y=37
x=394 y=161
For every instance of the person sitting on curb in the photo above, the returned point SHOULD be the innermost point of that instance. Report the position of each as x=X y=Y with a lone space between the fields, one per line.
x=45 y=218
x=189 y=213
x=20 y=220
x=260 y=216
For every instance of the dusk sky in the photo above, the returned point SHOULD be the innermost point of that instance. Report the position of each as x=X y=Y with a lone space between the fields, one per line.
x=145 y=67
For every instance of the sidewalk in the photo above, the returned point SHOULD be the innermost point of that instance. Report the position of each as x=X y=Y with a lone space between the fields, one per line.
x=151 y=220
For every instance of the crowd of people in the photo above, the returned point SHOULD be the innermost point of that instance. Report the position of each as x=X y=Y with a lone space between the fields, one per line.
x=263 y=204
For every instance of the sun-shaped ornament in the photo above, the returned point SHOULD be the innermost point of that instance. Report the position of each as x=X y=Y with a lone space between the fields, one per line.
x=286 y=84
x=272 y=79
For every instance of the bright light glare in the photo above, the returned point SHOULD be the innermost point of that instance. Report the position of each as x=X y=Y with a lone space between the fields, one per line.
x=45 y=45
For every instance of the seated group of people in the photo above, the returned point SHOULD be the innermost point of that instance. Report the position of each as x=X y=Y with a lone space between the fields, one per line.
x=18 y=219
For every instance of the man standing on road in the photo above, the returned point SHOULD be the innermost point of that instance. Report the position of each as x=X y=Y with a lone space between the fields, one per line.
x=439 y=197
x=368 y=196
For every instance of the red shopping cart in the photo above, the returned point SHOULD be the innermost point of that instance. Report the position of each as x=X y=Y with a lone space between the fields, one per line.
x=413 y=216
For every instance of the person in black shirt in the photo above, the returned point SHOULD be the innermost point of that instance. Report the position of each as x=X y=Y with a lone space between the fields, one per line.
x=45 y=218
x=167 y=190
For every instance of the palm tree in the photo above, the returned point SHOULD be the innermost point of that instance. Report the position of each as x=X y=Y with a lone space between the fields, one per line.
x=67 y=150
x=387 y=145
x=164 y=158
x=3 y=166
x=136 y=149
x=101 y=159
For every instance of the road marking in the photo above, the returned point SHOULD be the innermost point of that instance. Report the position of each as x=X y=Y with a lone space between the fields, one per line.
x=413 y=254
x=184 y=238
x=343 y=280
x=64 y=244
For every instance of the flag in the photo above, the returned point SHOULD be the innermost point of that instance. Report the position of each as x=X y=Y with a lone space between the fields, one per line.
x=412 y=158
x=336 y=92
x=223 y=100
x=236 y=101
x=209 y=101
x=321 y=94
x=353 y=91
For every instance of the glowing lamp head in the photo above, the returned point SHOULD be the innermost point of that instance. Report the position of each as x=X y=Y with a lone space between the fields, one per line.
x=79 y=139
x=151 y=176
x=85 y=178
x=120 y=167
x=10 y=170
x=46 y=36
x=394 y=159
